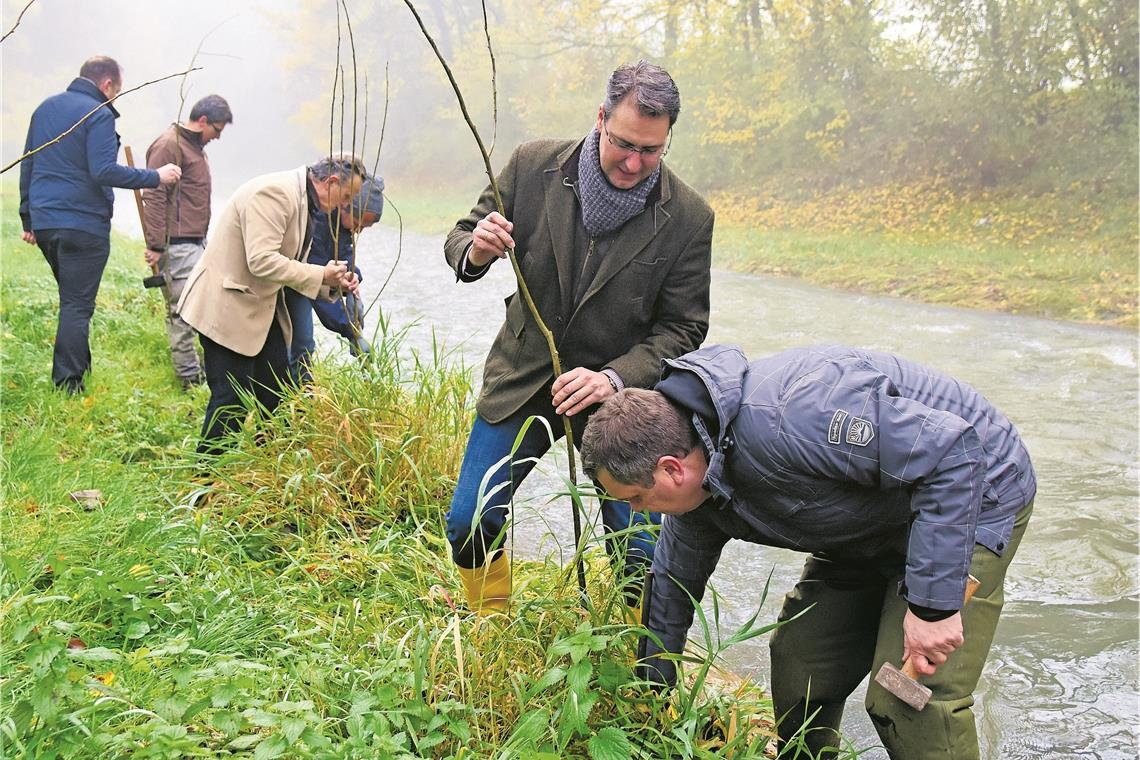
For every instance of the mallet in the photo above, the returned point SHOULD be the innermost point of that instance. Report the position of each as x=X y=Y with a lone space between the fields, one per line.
x=157 y=279
x=903 y=683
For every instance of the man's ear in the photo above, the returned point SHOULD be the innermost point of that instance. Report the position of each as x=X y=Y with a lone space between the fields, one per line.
x=672 y=468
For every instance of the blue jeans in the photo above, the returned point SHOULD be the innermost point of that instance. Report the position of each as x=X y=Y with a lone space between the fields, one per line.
x=472 y=538
x=303 y=344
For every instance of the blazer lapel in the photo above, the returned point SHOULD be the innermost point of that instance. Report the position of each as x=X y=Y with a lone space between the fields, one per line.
x=303 y=215
x=632 y=239
x=560 y=221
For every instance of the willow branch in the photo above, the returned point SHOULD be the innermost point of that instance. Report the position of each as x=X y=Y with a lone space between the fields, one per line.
x=91 y=113
x=375 y=167
x=523 y=289
x=399 y=251
x=494 y=82
x=18 y=18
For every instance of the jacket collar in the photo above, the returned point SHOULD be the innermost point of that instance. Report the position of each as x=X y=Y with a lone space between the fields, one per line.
x=189 y=135
x=85 y=86
x=721 y=369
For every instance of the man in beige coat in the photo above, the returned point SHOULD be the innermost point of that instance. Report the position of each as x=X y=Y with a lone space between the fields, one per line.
x=233 y=297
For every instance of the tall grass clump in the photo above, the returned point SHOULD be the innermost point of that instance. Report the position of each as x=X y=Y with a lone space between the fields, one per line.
x=293 y=597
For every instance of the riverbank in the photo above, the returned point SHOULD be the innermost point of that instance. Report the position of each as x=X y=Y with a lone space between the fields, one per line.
x=294 y=597
x=1061 y=255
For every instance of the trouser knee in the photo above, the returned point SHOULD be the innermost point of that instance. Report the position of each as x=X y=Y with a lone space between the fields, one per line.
x=942 y=729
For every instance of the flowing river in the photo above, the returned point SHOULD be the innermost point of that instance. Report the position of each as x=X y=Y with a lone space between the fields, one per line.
x=1061 y=680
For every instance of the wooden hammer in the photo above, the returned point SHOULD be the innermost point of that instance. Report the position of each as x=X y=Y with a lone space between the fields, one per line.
x=903 y=683
x=157 y=279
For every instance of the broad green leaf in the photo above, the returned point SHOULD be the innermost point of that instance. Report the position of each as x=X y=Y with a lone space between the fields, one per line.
x=610 y=744
x=292 y=726
x=137 y=629
x=578 y=677
x=274 y=746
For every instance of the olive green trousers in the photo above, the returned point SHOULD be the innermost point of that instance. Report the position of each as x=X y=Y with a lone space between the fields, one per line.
x=855 y=626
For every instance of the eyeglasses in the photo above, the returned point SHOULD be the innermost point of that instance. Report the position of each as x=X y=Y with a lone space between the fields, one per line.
x=647 y=153
x=217 y=127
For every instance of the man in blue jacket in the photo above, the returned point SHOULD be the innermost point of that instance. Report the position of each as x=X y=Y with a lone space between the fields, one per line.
x=333 y=231
x=66 y=202
x=898 y=480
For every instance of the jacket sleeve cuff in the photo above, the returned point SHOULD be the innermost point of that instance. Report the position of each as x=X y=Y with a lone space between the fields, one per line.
x=929 y=614
x=615 y=379
x=468 y=273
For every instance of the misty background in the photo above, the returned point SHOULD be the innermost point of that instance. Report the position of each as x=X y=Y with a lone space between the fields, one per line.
x=780 y=98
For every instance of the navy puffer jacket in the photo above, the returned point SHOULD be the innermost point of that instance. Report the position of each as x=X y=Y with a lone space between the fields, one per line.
x=68 y=184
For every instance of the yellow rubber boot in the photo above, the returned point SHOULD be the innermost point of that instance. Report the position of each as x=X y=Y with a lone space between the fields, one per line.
x=488 y=588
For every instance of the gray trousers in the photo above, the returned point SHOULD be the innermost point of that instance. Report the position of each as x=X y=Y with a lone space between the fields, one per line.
x=179 y=259
x=856 y=624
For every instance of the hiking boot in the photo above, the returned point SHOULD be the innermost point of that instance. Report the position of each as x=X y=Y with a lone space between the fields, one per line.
x=191 y=381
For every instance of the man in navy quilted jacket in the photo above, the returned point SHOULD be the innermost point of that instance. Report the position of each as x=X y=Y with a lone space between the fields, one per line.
x=899 y=482
x=66 y=201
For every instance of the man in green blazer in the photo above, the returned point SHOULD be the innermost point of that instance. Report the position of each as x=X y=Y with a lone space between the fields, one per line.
x=615 y=250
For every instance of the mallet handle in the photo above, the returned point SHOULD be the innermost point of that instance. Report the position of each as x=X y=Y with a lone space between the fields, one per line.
x=138 y=200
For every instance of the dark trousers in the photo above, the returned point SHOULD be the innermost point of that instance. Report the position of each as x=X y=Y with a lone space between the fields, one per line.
x=230 y=374
x=77 y=260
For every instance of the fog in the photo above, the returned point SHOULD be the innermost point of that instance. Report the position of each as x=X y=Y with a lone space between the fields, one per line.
x=273 y=61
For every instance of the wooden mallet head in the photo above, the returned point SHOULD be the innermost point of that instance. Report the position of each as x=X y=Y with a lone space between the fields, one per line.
x=903 y=682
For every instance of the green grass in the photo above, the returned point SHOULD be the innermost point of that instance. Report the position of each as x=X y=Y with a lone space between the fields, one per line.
x=1088 y=287
x=299 y=601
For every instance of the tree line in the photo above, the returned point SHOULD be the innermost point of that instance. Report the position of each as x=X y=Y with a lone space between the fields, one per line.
x=791 y=95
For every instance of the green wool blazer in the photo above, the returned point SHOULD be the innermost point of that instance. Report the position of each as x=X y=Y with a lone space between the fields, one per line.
x=648 y=301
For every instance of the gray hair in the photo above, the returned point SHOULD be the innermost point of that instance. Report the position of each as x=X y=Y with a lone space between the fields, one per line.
x=631 y=432
x=99 y=68
x=370 y=199
x=343 y=165
x=655 y=91
x=214 y=108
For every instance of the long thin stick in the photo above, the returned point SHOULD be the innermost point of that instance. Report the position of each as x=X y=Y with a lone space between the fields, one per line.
x=542 y=328
x=9 y=32
x=91 y=113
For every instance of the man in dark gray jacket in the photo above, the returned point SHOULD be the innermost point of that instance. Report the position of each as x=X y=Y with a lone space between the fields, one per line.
x=899 y=480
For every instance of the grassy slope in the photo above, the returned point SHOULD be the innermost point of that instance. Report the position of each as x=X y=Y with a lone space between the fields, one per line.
x=1069 y=255
x=301 y=606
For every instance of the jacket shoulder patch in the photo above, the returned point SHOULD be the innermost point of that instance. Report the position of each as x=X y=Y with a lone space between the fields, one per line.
x=835 y=429
x=860 y=432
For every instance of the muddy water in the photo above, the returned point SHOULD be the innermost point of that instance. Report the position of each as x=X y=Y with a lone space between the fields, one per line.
x=1061 y=681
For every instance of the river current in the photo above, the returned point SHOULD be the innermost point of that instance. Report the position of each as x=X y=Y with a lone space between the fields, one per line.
x=1061 y=681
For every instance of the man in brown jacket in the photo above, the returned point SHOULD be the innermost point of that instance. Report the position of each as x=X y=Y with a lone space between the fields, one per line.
x=234 y=298
x=177 y=218
x=615 y=250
